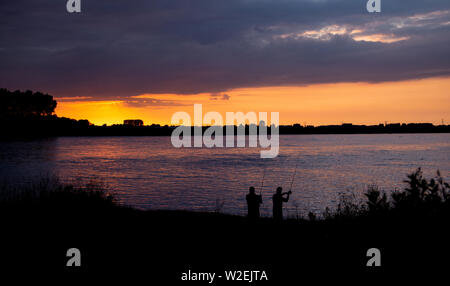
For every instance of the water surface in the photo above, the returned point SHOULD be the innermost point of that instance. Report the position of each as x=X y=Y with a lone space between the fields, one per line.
x=148 y=173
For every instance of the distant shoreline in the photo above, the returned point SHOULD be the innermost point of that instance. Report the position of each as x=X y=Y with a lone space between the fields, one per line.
x=55 y=127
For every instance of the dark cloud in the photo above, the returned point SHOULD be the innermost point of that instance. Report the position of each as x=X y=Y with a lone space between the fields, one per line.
x=151 y=102
x=118 y=48
x=218 y=96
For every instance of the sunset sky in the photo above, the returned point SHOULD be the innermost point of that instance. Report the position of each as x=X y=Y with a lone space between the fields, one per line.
x=314 y=61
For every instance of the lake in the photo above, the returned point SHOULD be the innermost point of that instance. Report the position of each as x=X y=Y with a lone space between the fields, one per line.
x=148 y=173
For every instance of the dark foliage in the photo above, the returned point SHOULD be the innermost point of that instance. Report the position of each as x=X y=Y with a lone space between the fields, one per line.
x=50 y=196
x=30 y=115
x=44 y=220
x=24 y=104
x=421 y=198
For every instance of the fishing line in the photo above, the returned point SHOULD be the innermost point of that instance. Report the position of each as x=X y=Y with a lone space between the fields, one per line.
x=293 y=176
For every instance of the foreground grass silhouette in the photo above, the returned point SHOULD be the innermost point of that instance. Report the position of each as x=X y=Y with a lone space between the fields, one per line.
x=43 y=220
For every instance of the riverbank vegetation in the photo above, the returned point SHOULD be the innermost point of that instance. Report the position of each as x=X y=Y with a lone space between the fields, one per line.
x=421 y=198
x=41 y=221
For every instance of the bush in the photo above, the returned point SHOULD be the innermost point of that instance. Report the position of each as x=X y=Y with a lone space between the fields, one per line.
x=421 y=198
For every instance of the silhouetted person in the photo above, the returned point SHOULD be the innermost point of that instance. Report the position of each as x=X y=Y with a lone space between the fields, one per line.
x=278 y=199
x=253 y=202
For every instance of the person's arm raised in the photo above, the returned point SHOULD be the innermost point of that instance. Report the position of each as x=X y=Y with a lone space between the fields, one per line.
x=287 y=198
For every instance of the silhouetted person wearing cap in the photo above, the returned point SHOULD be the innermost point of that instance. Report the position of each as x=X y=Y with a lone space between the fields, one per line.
x=278 y=199
x=253 y=202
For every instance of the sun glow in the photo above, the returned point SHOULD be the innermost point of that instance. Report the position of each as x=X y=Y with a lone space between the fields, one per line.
x=425 y=100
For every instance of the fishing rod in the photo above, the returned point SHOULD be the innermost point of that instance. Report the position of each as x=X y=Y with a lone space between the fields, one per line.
x=293 y=176
x=262 y=183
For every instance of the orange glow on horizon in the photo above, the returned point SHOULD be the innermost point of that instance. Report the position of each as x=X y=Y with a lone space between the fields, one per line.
x=426 y=100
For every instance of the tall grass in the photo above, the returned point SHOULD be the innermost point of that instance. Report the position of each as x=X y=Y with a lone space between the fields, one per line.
x=50 y=194
x=421 y=198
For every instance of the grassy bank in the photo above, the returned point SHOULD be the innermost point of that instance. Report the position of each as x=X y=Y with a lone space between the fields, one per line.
x=43 y=220
x=421 y=199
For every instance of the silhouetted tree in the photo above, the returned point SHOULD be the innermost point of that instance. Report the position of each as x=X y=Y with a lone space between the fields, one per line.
x=24 y=104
